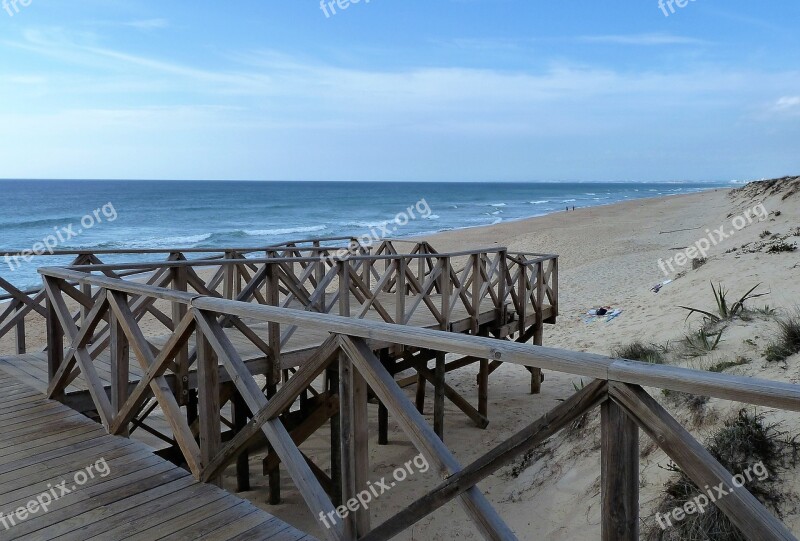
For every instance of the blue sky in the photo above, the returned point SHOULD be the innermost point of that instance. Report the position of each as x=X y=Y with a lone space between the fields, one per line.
x=476 y=90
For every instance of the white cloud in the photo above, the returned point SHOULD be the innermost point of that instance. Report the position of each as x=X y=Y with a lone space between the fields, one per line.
x=147 y=24
x=642 y=39
x=257 y=114
x=787 y=102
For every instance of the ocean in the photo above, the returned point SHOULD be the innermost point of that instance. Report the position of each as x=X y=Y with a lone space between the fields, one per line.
x=186 y=214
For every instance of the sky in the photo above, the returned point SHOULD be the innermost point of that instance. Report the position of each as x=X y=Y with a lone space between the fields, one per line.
x=425 y=90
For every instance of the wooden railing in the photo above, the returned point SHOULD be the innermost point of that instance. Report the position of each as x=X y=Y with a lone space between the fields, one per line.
x=457 y=291
x=18 y=306
x=349 y=351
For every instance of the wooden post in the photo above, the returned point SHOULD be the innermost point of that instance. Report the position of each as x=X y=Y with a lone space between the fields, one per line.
x=383 y=424
x=440 y=371
x=191 y=407
x=438 y=402
x=86 y=289
x=240 y=414
x=354 y=442
x=55 y=337
x=522 y=296
x=230 y=271
x=554 y=287
x=239 y=278
x=419 y=400
x=420 y=265
x=383 y=412
x=353 y=425
x=273 y=328
x=483 y=388
x=209 y=403
x=120 y=364
x=273 y=367
x=446 y=287
x=400 y=292
x=366 y=271
x=336 y=433
x=179 y=283
x=619 y=474
x=748 y=514
x=320 y=270
x=538 y=326
x=20 y=333
x=502 y=286
x=483 y=384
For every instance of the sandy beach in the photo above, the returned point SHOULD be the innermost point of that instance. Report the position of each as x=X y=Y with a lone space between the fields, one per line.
x=526 y=242
x=609 y=256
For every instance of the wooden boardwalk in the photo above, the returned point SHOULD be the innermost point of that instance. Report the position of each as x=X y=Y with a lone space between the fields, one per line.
x=31 y=368
x=145 y=346
x=130 y=493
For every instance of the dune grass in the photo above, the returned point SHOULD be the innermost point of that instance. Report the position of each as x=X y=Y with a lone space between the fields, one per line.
x=638 y=351
x=787 y=342
x=742 y=444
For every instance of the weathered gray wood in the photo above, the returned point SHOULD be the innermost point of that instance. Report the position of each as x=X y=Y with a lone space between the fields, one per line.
x=20 y=337
x=139 y=496
x=95 y=386
x=528 y=438
x=761 y=392
x=240 y=412
x=141 y=392
x=301 y=474
x=180 y=283
x=477 y=507
x=459 y=401
x=208 y=403
x=158 y=385
x=120 y=366
x=59 y=380
x=284 y=398
x=55 y=350
x=619 y=492
x=744 y=510
x=438 y=398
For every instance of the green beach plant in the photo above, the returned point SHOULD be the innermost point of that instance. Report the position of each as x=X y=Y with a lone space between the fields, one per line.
x=702 y=342
x=724 y=365
x=781 y=247
x=725 y=311
x=787 y=343
x=745 y=443
x=637 y=351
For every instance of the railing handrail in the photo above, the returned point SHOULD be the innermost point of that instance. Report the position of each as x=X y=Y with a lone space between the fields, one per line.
x=769 y=393
x=167 y=250
x=267 y=260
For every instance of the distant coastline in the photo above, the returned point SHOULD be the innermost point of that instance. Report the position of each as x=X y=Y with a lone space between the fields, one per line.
x=178 y=214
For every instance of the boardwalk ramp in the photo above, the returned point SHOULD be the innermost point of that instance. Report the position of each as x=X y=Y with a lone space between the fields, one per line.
x=63 y=477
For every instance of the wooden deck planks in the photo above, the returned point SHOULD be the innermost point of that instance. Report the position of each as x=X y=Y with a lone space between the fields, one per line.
x=142 y=497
